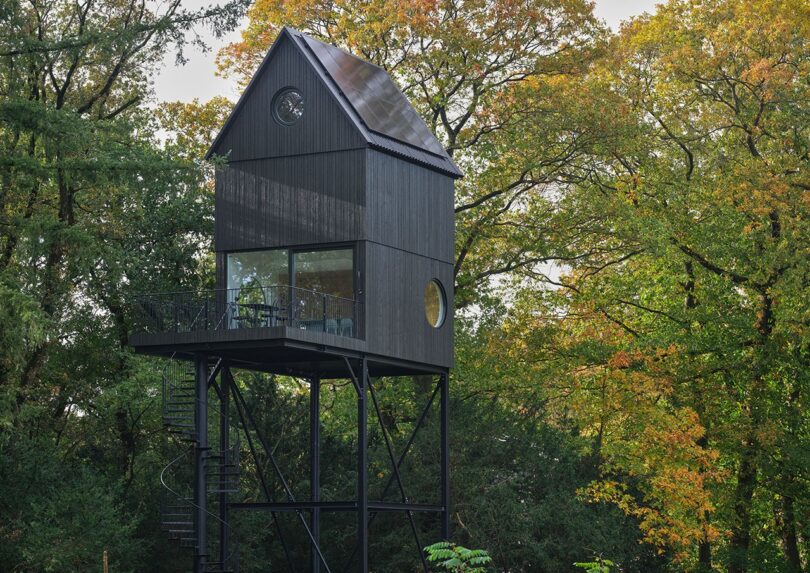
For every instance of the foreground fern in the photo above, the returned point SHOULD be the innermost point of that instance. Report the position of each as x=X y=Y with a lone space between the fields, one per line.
x=457 y=559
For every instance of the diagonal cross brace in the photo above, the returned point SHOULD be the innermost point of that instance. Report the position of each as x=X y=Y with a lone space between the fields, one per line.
x=402 y=456
x=410 y=441
x=397 y=475
x=263 y=481
x=353 y=377
x=212 y=375
x=290 y=497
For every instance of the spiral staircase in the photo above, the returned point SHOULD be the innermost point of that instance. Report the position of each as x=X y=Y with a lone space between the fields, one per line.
x=178 y=510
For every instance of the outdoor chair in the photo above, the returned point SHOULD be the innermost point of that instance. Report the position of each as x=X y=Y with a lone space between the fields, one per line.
x=346 y=327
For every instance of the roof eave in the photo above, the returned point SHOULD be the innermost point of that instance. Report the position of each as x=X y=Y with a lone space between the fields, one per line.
x=449 y=168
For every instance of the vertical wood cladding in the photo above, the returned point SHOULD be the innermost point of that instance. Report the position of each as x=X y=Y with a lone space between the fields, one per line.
x=254 y=133
x=287 y=201
x=409 y=207
x=395 y=309
x=399 y=214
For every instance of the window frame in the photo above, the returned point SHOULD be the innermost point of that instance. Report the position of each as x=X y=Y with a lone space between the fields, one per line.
x=442 y=303
x=291 y=251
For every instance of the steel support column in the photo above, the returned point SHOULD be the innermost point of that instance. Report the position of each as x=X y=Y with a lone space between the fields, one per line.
x=200 y=454
x=445 y=454
x=224 y=445
x=362 y=468
x=315 y=467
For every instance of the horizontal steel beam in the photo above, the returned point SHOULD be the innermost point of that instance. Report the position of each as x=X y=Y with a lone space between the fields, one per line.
x=394 y=506
x=297 y=505
x=334 y=506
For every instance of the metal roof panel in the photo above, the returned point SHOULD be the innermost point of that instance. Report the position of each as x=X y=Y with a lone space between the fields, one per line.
x=375 y=97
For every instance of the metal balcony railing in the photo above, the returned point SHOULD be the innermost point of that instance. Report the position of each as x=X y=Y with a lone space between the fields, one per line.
x=252 y=307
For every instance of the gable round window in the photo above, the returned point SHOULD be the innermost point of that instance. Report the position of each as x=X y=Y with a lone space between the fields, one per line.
x=288 y=106
x=435 y=303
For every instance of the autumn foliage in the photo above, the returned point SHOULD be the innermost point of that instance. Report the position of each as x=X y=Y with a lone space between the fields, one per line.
x=632 y=276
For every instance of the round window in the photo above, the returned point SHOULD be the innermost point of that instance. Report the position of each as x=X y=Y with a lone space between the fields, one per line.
x=435 y=303
x=288 y=106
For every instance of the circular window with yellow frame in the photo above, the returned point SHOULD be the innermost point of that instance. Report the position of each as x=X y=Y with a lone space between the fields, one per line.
x=435 y=303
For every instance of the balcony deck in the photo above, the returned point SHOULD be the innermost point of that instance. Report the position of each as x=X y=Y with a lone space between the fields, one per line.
x=278 y=329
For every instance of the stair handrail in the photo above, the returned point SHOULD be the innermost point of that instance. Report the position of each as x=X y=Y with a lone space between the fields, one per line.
x=166 y=385
x=190 y=503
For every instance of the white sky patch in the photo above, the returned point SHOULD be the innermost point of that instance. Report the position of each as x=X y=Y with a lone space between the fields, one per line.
x=197 y=79
x=615 y=11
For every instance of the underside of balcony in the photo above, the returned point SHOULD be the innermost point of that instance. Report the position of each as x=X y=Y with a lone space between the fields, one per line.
x=278 y=349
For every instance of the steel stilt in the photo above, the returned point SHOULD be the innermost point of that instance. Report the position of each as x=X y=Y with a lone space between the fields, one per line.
x=315 y=467
x=200 y=453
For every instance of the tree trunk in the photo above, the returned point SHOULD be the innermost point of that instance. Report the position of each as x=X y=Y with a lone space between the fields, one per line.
x=743 y=495
x=705 y=557
x=705 y=546
x=790 y=540
x=747 y=471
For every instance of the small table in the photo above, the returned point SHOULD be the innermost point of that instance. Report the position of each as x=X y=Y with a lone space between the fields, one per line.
x=260 y=314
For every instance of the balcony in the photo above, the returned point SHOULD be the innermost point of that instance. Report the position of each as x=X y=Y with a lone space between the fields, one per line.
x=254 y=313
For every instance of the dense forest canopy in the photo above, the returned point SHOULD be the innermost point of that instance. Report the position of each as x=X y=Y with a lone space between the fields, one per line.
x=632 y=270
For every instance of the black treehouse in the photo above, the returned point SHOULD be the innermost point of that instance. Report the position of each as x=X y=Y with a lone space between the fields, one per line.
x=334 y=259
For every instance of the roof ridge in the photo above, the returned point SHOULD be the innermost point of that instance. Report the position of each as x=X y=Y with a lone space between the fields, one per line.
x=335 y=46
x=381 y=112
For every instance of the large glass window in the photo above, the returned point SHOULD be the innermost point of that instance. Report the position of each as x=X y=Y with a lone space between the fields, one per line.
x=325 y=271
x=252 y=303
x=258 y=269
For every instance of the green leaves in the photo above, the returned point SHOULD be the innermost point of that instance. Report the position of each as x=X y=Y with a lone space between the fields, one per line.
x=457 y=559
x=598 y=566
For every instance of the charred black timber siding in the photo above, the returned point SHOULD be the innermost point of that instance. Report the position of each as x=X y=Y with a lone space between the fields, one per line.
x=333 y=197
x=409 y=207
x=291 y=201
x=395 y=317
x=410 y=232
x=255 y=134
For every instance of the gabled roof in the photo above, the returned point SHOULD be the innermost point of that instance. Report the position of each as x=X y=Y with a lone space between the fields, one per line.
x=369 y=97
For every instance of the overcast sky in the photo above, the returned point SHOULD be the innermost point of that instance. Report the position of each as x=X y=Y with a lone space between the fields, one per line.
x=196 y=79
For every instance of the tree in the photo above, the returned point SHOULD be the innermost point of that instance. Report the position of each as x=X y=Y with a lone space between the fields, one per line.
x=91 y=210
x=684 y=228
x=457 y=559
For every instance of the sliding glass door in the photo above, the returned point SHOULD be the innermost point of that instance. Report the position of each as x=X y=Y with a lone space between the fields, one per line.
x=252 y=269
x=307 y=288
x=324 y=281
x=326 y=271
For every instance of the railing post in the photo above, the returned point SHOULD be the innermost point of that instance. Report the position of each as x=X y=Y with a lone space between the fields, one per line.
x=323 y=302
x=291 y=307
